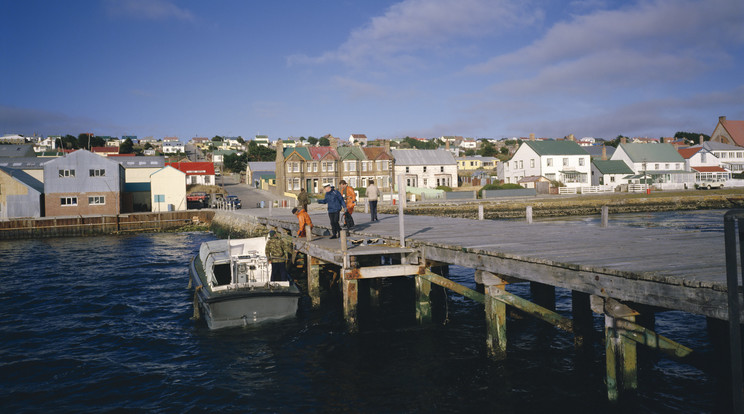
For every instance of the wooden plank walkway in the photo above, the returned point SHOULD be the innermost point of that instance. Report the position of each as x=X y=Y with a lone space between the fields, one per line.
x=680 y=270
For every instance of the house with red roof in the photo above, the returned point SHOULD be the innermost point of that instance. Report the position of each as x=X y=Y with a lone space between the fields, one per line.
x=728 y=132
x=196 y=172
x=105 y=151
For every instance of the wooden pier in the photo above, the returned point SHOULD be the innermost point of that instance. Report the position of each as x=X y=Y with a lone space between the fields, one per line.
x=620 y=272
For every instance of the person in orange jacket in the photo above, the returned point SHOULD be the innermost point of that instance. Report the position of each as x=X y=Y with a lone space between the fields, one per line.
x=304 y=219
x=350 y=198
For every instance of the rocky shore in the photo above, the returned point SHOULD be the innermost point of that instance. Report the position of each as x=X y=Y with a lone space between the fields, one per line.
x=554 y=206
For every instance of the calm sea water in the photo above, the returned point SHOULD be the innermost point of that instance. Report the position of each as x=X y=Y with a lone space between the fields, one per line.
x=103 y=324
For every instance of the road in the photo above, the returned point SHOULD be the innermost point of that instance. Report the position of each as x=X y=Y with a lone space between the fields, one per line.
x=249 y=196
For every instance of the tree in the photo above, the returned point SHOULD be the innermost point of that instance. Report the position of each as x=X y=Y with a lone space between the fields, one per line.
x=324 y=142
x=216 y=138
x=691 y=136
x=241 y=140
x=126 y=147
x=312 y=140
x=235 y=162
x=488 y=150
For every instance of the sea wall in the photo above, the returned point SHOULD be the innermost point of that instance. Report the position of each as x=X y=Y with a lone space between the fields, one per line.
x=545 y=207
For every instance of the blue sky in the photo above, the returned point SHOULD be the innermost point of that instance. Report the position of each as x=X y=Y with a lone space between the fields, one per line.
x=423 y=68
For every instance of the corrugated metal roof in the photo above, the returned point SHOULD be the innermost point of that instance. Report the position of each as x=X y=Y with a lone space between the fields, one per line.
x=261 y=166
x=652 y=152
x=612 y=167
x=301 y=151
x=351 y=152
x=556 y=147
x=24 y=178
x=423 y=157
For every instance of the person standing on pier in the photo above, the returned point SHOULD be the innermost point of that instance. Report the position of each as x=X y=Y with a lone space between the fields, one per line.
x=372 y=195
x=304 y=219
x=277 y=255
x=350 y=202
x=335 y=203
x=302 y=199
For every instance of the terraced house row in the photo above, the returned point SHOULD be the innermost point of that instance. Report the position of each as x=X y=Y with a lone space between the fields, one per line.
x=312 y=167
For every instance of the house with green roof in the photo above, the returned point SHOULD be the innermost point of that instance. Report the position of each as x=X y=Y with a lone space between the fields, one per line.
x=653 y=163
x=610 y=172
x=352 y=158
x=563 y=161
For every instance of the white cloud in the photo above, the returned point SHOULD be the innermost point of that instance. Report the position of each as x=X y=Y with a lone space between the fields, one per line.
x=667 y=26
x=148 y=10
x=424 y=25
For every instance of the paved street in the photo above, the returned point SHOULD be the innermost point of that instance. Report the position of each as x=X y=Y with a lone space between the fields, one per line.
x=250 y=197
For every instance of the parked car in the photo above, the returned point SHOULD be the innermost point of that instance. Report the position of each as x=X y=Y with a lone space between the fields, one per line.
x=234 y=202
x=197 y=200
x=709 y=184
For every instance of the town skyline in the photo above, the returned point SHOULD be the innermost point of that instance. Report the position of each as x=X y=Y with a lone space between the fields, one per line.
x=481 y=69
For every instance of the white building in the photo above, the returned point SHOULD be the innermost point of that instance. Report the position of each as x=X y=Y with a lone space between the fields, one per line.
x=173 y=147
x=358 y=138
x=652 y=163
x=563 y=161
x=168 y=189
x=425 y=168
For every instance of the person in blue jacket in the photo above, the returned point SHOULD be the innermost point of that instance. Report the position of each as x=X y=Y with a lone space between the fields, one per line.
x=335 y=202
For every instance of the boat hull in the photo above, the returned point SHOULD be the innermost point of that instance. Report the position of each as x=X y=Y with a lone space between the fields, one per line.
x=241 y=306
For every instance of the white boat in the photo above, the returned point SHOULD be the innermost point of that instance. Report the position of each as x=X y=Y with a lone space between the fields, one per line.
x=232 y=285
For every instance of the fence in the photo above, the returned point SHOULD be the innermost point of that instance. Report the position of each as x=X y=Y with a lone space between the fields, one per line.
x=525 y=192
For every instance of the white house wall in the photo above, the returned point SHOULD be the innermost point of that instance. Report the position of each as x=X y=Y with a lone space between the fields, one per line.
x=169 y=183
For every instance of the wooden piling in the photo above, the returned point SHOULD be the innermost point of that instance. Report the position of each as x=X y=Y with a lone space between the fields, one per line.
x=495 y=321
x=480 y=211
x=375 y=292
x=528 y=214
x=611 y=354
x=543 y=295
x=605 y=216
x=423 y=300
x=582 y=318
x=313 y=280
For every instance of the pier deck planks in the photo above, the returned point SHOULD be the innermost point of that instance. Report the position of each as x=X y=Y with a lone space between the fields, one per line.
x=672 y=269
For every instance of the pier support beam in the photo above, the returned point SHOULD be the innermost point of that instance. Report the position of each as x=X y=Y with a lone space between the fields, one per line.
x=582 y=318
x=495 y=318
x=375 y=292
x=543 y=295
x=350 y=288
x=313 y=280
x=423 y=300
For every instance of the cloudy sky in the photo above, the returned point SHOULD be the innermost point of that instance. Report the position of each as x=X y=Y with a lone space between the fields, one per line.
x=423 y=68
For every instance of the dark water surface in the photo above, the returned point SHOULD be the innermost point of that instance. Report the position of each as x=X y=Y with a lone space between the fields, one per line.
x=103 y=324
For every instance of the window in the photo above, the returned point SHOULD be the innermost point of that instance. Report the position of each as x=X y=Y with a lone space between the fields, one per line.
x=296 y=167
x=382 y=165
x=97 y=172
x=68 y=201
x=328 y=166
x=581 y=161
x=159 y=198
x=656 y=166
x=565 y=162
x=408 y=169
x=532 y=163
x=193 y=179
x=521 y=164
x=207 y=180
x=666 y=166
x=424 y=168
x=96 y=200
x=313 y=167
x=425 y=182
x=353 y=182
x=350 y=165
x=441 y=169
x=549 y=162
x=66 y=173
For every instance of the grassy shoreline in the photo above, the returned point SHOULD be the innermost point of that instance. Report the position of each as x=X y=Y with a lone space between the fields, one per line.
x=571 y=205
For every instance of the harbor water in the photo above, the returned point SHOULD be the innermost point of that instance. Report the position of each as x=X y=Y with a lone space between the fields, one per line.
x=104 y=324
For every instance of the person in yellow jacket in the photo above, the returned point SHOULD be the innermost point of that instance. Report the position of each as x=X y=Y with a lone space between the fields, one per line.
x=350 y=199
x=304 y=219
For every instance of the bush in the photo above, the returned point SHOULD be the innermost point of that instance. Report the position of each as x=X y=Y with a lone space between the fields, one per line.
x=362 y=191
x=499 y=187
x=444 y=188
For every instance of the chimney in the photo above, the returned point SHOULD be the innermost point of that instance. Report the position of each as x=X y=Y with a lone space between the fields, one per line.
x=604 y=153
x=387 y=146
x=446 y=144
x=571 y=137
x=532 y=136
x=701 y=139
x=668 y=140
x=623 y=140
x=721 y=118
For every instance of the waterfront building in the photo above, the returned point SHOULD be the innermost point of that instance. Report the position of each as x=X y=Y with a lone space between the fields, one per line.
x=728 y=132
x=168 y=189
x=425 y=168
x=137 y=187
x=21 y=195
x=610 y=172
x=312 y=167
x=82 y=183
x=653 y=163
x=562 y=161
x=196 y=172
x=33 y=166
